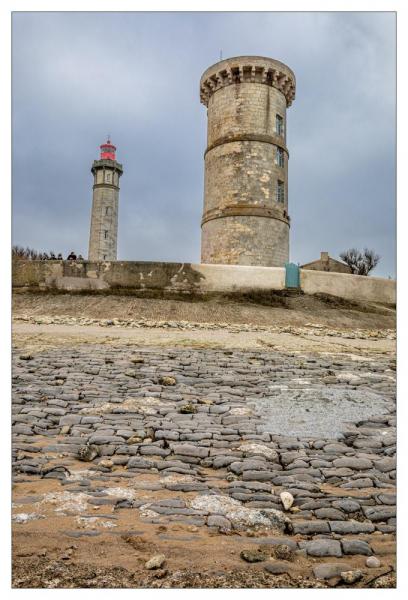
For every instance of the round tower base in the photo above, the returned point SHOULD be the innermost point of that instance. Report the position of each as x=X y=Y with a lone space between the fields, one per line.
x=246 y=240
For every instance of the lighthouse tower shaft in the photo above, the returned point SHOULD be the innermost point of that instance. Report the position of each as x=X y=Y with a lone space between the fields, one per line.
x=245 y=218
x=103 y=239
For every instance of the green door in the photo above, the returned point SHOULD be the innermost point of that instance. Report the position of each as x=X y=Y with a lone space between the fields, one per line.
x=292 y=279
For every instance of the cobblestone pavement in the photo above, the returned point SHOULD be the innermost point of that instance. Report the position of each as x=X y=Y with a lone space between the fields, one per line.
x=285 y=461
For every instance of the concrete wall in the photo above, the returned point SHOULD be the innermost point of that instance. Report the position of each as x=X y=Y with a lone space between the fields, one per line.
x=238 y=278
x=186 y=277
x=351 y=287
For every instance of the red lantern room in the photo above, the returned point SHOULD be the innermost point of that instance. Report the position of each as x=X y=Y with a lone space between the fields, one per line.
x=108 y=151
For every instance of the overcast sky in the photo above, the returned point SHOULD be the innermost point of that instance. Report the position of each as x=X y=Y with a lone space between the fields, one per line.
x=79 y=76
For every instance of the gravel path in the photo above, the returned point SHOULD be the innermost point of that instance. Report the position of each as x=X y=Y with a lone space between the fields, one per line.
x=296 y=340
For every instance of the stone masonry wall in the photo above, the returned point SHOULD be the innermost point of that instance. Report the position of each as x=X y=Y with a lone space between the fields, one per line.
x=104 y=217
x=103 y=238
x=246 y=240
x=244 y=95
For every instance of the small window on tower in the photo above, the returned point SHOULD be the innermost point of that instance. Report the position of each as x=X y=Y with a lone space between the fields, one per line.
x=280 y=157
x=279 y=125
x=108 y=177
x=107 y=210
x=106 y=234
x=280 y=192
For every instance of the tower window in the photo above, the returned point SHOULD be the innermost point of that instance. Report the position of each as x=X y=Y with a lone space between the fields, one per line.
x=280 y=191
x=108 y=177
x=279 y=125
x=106 y=234
x=107 y=210
x=280 y=159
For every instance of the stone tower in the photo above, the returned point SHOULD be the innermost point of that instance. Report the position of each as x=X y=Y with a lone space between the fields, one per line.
x=103 y=238
x=245 y=219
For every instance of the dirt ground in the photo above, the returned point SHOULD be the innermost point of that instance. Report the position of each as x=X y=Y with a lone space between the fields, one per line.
x=68 y=557
x=262 y=309
x=54 y=552
x=36 y=338
x=47 y=555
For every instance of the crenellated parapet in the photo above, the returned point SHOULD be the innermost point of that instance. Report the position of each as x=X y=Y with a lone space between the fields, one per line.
x=248 y=69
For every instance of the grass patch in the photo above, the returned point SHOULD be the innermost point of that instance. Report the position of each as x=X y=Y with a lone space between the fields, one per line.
x=343 y=303
x=276 y=298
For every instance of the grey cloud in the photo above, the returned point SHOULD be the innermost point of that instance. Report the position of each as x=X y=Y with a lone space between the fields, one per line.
x=79 y=76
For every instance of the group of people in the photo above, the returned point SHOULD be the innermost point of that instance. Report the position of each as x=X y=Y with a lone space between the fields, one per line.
x=71 y=256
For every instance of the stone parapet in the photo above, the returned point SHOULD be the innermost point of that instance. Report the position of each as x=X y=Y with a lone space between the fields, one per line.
x=248 y=69
x=108 y=164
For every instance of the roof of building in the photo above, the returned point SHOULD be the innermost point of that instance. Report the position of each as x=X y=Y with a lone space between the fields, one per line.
x=324 y=257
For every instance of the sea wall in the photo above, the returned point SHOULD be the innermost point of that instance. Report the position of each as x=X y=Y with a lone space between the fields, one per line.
x=192 y=278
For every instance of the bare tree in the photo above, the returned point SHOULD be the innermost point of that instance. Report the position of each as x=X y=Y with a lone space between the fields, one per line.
x=21 y=253
x=360 y=263
x=371 y=259
x=18 y=252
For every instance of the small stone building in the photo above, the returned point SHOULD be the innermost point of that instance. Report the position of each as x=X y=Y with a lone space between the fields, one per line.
x=326 y=263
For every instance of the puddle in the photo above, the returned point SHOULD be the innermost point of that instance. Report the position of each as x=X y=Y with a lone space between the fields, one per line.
x=316 y=413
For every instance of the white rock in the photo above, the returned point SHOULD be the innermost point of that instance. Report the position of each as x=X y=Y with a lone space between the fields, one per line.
x=241 y=518
x=350 y=577
x=121 y=492
x=67 y=502
x=144 y=405
x=155 y=562
x=373 y=562
x=258 y=450
x=240 y=411
x=25 y=517
x=215 y=504
x=286 y=499
x=350 y=378
x=252 y=518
